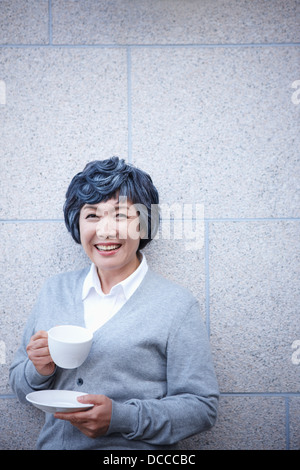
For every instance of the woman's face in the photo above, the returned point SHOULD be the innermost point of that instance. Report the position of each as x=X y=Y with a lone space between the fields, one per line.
x=109 y=233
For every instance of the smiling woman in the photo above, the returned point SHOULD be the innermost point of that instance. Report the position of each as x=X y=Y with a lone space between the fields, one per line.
x=109 y=179
x=106 y=237
x=149 y=380
x=100 y=212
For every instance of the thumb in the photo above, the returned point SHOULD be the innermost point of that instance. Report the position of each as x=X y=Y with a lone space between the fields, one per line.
x=91 y=399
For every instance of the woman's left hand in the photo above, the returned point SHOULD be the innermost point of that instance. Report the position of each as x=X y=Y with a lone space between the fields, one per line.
x=93 y=422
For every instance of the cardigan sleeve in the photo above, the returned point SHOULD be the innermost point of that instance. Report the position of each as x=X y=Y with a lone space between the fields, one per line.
x=190 y=405
x=23 y=376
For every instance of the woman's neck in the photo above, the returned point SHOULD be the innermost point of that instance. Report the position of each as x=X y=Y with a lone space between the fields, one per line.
x=109 y=278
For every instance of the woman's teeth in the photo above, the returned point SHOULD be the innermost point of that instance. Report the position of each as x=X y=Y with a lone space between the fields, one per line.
x=107 y=247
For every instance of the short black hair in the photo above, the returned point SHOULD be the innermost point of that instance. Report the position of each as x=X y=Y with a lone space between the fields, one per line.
x=102 y=180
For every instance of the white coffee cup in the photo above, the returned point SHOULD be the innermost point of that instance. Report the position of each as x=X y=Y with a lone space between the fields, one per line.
x=69 y=345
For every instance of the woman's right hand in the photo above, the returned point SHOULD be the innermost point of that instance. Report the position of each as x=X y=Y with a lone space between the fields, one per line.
x=38 y=353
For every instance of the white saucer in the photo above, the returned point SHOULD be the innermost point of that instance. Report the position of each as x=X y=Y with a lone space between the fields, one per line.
x=54 y=401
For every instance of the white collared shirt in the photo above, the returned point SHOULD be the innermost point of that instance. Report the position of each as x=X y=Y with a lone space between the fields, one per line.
x=100 y=307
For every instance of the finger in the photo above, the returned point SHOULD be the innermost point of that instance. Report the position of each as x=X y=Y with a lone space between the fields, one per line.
x=74 y=417
x=38 y=344
x=64 y=416
x=92 y=399
x=39 y=347
x=39 y=334
x=41 y=352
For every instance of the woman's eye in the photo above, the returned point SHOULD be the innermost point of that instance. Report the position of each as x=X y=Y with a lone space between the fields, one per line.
x=91 y=216
x=121 y=216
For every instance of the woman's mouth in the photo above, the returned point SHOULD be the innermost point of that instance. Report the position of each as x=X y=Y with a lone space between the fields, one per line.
x=108 y=248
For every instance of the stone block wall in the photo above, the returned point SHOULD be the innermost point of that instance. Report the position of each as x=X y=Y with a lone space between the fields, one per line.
x=205 y=96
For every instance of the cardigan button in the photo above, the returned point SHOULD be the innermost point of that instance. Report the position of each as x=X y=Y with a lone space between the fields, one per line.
x=79 y=381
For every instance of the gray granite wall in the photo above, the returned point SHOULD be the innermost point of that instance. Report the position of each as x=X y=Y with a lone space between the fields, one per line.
x=205 y=95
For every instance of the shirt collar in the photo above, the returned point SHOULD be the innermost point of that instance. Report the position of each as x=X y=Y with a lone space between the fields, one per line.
x=127 y=286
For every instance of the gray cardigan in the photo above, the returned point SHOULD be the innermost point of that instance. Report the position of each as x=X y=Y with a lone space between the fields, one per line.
x=152 y=359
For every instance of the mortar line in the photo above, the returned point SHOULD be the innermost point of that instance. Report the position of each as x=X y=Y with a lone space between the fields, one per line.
x=50 y=22
x=261 y=394
x=150 y=46
x=129 y=105
x=285 y=395
x=287 y=423
x=254 y=219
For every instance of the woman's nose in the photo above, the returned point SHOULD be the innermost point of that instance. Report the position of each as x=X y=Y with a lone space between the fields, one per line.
x=106 y=228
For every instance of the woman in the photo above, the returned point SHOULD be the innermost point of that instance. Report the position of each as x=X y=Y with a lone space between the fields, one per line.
x=149 y=373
